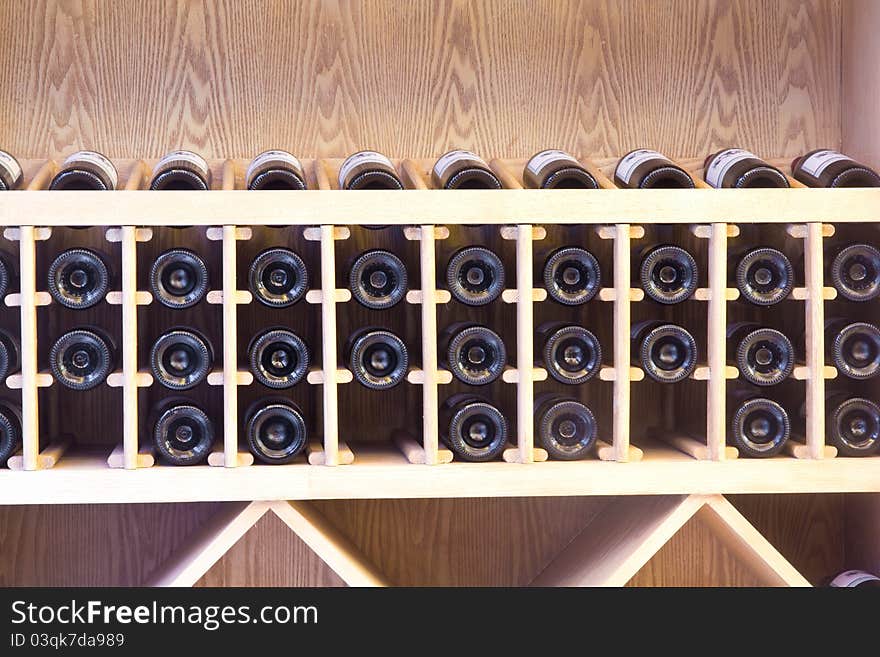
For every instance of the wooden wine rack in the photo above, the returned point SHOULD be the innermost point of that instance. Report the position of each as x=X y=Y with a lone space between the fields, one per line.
x=518 y=215
x=373 y=506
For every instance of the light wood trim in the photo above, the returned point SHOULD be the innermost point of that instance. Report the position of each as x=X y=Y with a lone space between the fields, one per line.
x=145 y=457
x=693 y=447
x=815 y=341
x=593 y=169
x=328 y=347
x=621 y=539
x=230 y=347
x=205 y=547
x=43 y=177
x=506 y=177
x=430 y=397
x=129 y=347
x=716 y=394
x=47 y=459
x=316 y=456
x=383 y=472
x=415 y=453
x=621 y=403
x=413 y=175
x=748 y=544
x=323 y=178
x=386 y=207
x=136 y=176
x=228 y=180
x=30 y=414
x=525 y=351
x=340 y=554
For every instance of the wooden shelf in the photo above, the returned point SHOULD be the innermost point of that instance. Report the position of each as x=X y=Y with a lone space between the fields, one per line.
x=386 y=473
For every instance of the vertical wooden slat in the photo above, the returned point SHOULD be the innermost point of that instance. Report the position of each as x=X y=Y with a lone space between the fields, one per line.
x=525 y=393
x=30 y=415
x=129 y=348
x=622 y=284
x=328 y=343
x=430 y=417
x=815 y=341
x=717 y=384
x=230 y=351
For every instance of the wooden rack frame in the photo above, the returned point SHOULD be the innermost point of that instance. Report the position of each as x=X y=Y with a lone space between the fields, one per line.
x=323 y=213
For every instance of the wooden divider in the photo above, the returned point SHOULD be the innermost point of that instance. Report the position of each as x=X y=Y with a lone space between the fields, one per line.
x=815 y=342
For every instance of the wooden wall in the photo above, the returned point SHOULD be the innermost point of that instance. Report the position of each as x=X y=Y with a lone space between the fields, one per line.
x=506 y=78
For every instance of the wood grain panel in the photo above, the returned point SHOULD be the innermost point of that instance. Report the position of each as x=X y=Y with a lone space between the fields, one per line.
x=325 y=78
x=92 y=545
x=270 y=554
x=807 y=529
x=694 y=557
x=466 y=542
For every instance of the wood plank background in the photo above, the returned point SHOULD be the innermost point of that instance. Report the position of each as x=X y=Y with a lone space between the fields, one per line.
x=506 y=78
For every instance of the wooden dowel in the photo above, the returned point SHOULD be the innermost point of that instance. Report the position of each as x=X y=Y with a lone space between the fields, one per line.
x=30 y=415
x=328 y=344
x=717 y=384
x=815 y=342
x=430 y=401
x=414 y=176
x=620 y=431
x=322 y=177
x=505 y=176
x=43 y=177
x=136 y=176
x=230 y=350
x=129 y=348
x=525 y=392
x=228 y=175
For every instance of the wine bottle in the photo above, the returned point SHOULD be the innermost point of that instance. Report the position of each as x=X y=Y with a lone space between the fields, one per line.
x=564 y=427
x=10 y=355
x=278 y=358
x=378 y=359
x=571 y=276
x=181 y=171
x=78 y=279
x=571 y=354
x=276 y=170
x=10 y=172
x=10 y=431
x=647 y=169
x=86 y=171
x=852 y=579
x=81 y=359
x=278 y=278
x=377 y=279
x=179 y=278
x=853 y=347
x=764 y=356
x=738 y=168
x=668 y=274
x=183 y=434
x=553 y=169
x=276 y=431
x=853 y=424
x=5 y=278
x=459 y=169
x=181 y=359
x=475 y=276
x=759 y=427
x=473 y=428
x=368 y=170
x=855 y=272
x=474 y=354
x=764 y=276
x=667 y=353
x=828 y=168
